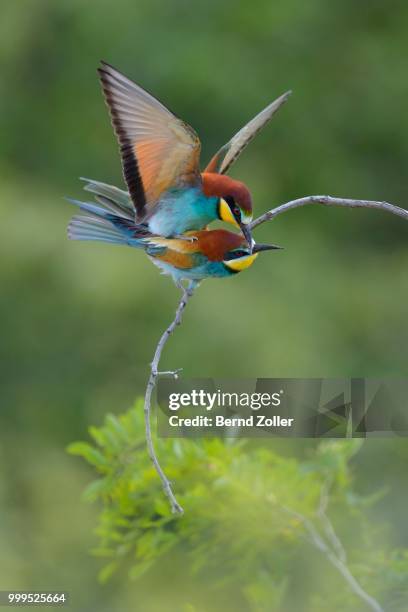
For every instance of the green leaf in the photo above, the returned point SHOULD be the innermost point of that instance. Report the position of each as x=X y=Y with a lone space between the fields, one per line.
x=139 y=569
x=108 y=571
x=89 y=453
x=95 y=489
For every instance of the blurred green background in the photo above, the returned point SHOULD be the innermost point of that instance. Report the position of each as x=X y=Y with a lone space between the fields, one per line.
x=80 y=321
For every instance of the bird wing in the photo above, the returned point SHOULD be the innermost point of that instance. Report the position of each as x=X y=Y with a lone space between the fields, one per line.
x=225 y=157
x=159 y=151
x=181 y=254
x=175 y=244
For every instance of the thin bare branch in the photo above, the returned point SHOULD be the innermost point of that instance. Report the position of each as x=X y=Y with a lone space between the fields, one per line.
x=332 y=548
x=327 y=525
x=329 y=201
x=154 y=374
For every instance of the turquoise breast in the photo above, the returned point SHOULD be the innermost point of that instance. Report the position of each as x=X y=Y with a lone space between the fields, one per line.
x=182 y=210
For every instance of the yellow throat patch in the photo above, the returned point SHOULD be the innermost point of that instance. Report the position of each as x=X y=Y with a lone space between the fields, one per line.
x=237 y=265
x=226 y=214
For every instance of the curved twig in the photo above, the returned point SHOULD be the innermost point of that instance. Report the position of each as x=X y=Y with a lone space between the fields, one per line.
x=327 y=525
x=326 y=200
x=154 y=374
x=330 y=545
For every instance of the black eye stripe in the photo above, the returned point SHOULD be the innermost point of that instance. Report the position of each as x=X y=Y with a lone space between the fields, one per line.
x=233 y=207
x=236 y=254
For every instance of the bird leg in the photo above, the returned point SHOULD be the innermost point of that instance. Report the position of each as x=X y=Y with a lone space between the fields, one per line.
x=189 y=288
x=192 y=286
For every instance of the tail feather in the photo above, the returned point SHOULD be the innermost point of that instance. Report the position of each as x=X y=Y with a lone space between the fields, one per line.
x=88 y=223
x=95 y=210
x=111 y=219
x=116 y=200
x=96 y=221
x=85 y=228
x=89 y=238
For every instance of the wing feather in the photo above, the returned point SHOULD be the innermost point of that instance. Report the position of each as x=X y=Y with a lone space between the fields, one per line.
x=159 y=151
x=227 y=155
x=175 y=244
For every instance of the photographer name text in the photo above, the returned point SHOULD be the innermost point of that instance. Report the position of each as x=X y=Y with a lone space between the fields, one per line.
x=258 y=420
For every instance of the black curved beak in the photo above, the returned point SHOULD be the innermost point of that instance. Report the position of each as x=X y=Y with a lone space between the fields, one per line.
x=257 y=248
x=247 y=234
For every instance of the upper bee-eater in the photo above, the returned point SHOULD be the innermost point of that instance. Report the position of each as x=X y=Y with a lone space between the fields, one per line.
x=160 y=158
x=208 y=253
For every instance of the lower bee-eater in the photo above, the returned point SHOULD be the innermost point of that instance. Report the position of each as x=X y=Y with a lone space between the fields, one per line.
x=161 y=163
x=207 y=253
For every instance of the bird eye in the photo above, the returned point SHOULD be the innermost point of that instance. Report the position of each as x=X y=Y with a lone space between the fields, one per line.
x=235 y=209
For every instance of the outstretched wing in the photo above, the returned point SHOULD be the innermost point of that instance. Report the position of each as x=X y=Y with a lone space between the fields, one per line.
x=159 y=151
x=225 y=157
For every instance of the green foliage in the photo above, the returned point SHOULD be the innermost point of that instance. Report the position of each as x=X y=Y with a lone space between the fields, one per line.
x=236 y=527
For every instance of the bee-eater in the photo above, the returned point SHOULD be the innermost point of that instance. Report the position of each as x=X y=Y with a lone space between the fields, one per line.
x=160 y=158
x=208 y=253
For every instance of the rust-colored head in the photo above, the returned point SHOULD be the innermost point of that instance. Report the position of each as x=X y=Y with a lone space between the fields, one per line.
x=227 y=247
x=235 y=202
x=224 y=186
x=215 y=244
x=231 y=249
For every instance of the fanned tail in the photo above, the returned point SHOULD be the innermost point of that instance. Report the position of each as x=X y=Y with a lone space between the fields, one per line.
x=111 y=219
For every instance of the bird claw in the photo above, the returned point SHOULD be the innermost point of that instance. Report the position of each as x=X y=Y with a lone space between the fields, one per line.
x=186 y=238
